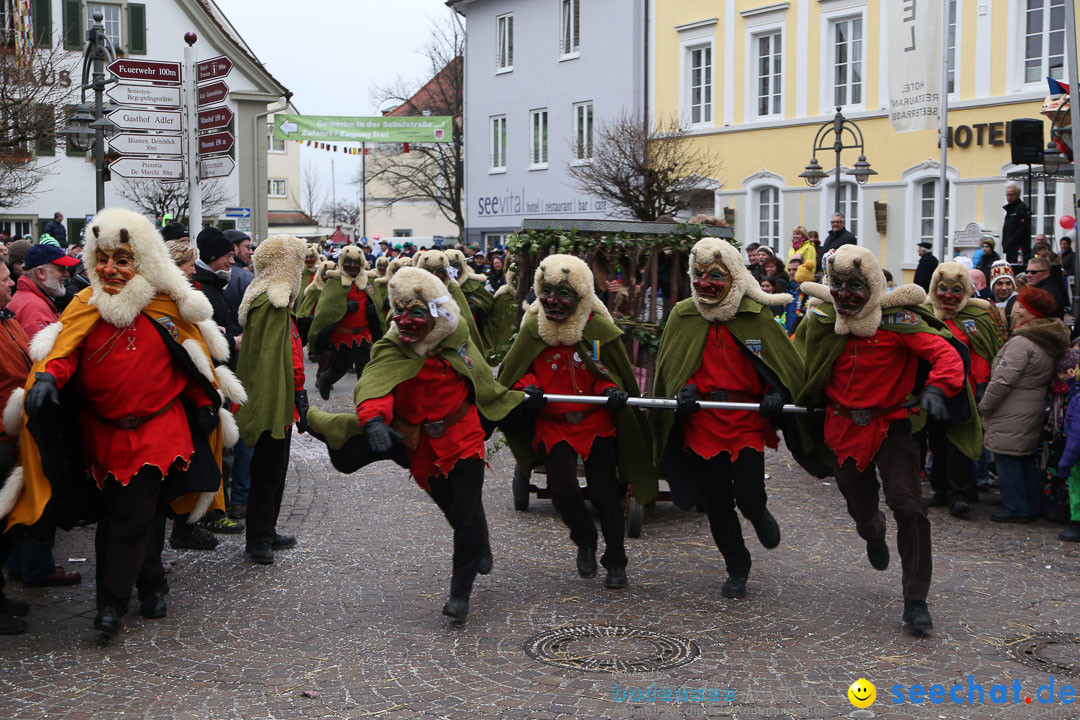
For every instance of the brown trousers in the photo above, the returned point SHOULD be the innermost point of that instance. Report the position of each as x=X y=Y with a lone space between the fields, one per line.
x=897 y=461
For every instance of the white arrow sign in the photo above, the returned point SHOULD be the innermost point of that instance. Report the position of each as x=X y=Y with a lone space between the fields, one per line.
x=289 y=127
x=148 y=168
x=132 y=119
x=136 y=144
x=156 y=95
x=216 y=167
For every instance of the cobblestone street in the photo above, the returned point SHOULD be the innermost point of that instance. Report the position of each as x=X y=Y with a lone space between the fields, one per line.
x=347 y=625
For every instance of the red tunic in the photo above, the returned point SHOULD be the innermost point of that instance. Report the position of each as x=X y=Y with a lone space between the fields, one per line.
x=129 y=373
x=432 y=394
x=980 y=368
x=297 y=364
x=879 y=372
x=561 y=371
x=352 y=329
x=724 y=366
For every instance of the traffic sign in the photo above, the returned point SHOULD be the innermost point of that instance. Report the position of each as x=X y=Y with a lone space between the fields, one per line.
x=214 y=118
x=150 y=70
x=155 y=95
x=148 y=168
x=219 y=142
x=147 y=144
x=211 y=94
x=133 y=119
x=216 y=167
x=237 y=212
x=213 y=68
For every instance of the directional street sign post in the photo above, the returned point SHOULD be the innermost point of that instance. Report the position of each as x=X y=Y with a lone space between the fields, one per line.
x=148 y=168
x=147 y=144
x=325 y=128
x=219 y=142
x=134 y=119
x=149 y=70
x=162 y=96
x=212 y=94
x=242 y=216
x=214 y=118
x=216 y=167
x=213 y=68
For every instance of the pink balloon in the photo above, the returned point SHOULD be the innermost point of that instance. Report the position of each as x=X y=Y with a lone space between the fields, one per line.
x=1067 y=221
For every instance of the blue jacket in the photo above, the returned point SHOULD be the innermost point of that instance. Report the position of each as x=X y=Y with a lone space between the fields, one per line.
x=1071 y=453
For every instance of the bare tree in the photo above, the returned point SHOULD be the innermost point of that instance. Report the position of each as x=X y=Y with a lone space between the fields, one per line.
x=431 y=172
x=157 y=199
x=644 y=174
x=34 y=94
x=343 y=211
x=311 y=194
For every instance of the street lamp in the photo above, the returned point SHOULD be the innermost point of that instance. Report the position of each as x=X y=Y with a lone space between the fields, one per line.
x=88 y=127
x=1053 y=159
x=837 y=127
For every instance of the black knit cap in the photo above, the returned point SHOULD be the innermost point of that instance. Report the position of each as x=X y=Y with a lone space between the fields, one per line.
x=174 y=231
x=212 y=245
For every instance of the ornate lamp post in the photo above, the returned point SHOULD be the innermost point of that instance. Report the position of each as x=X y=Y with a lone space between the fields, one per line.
x=853 y=141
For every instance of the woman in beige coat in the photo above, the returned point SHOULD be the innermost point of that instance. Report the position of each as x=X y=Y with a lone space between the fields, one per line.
x=1014 y=405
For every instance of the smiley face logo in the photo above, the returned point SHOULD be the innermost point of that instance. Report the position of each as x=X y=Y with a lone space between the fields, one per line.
x=862 y=693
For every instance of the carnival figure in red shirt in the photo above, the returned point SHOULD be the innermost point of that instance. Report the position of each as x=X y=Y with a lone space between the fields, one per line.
x=124 y=391
x=568 y=345
x=969 y=320
x=724 y=344
x=873 y=356
x=347 y=321
x=302 y=312
x=420 y=403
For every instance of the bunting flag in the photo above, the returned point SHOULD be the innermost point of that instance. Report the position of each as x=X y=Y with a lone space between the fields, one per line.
x=24 y=31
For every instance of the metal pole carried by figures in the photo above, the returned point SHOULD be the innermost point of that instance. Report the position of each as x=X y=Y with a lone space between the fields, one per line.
x=655 y=403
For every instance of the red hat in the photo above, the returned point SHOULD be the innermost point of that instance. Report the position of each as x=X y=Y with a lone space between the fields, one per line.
x=39 y=255
x=1037 y=302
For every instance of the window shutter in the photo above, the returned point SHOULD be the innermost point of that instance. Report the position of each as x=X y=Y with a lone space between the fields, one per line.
x=577 y=26
x=136 y=20
x=42 y=23
x=72 y=20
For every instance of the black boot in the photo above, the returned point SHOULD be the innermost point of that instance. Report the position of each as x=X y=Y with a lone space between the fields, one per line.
x=586 y=561
x=877 y=551
x=487 y=562
x=959 y=508
x=282 y=542
x=1071 y=533
x=260 y=554
x=616 y=578
x=10 y=625
x=917 y=618
x=767 y=529
x=186 y=536
x=456 y=608
x=152 y=605
x=108 y=620
x=734 y=587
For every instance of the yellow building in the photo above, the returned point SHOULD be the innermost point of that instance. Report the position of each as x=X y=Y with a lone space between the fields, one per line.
x=754 y=79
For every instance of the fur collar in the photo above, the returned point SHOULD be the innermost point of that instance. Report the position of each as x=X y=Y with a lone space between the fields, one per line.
x=411 y=283
x=361 y=279
x=743 y=284
x=1050 y=334
x=571 y=330
x=866 y=324
x=278 y=263
x=950 y=272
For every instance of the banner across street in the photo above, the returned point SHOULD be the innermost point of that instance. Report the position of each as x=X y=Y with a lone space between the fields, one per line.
x=328 y=128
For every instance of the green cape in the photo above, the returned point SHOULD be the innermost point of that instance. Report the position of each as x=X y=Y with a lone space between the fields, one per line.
x=634 y=460
x=466 y=313
x=381 y=293
x=265 y=368
x=307 y=302
x=330 y=310
x=820 y=346
x=500 y=324
x=301 y=301
x=393 y=362
x=979 y=326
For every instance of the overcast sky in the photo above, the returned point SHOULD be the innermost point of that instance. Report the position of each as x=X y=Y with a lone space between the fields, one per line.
x=331 y=52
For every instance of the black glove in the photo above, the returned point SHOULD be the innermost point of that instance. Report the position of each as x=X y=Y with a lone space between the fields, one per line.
x=616 y=398
x=686 y=402
x=7 y=457
x=980 y=390
x=301 y=401
x=41 y=393
x=534 y=397
x=352 y=306
x=932 y=399
x=378 y=435
x=772 y=407
x=204 y=420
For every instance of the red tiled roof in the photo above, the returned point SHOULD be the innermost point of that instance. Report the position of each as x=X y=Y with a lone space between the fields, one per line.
x=289 y=217
x=434 y=92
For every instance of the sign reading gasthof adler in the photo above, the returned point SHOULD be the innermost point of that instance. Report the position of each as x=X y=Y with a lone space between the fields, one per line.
x=914 y=65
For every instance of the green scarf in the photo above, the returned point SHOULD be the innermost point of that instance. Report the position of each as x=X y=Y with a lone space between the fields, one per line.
x=331 y=308
x=265 y=368
x=466 y=313
x=500 y=323
x=299 y=302
x=634 y=461
x=821 y=346
x=393 y=362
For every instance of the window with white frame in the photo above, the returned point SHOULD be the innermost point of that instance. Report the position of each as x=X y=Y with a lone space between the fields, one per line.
x=768 y=215
x=274 y=146
x=769 y=81
x=504 y=42
x=111 y=15
x=583 y=132
x=928 y=213
x=1044 y=209
x=846 y=38
x=1044 y=40
x=951 y=54
x=16 y=228
x=569 y=38
x=498 y=143
x=538 y=139
x=276 y=188
x=700 y=84
x=849 y=206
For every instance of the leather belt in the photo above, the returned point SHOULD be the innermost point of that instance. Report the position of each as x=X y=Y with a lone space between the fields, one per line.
x=732 y=396
x=863 y=416
x=134 y=422
x=410 y=433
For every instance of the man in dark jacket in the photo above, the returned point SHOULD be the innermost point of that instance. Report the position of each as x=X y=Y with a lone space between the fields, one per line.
x=838 y=236
x=1038 y=275
x=240 y=276
x=55 y=227
x=212 y=271
x=927 y=264
x=1016 y=231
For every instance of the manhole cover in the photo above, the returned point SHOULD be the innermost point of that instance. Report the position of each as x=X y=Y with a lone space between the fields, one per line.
x=610 y=648
x=1055 y=653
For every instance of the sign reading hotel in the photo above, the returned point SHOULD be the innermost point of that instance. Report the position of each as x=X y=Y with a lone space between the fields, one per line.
x=325 y=128
x=914 y=65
